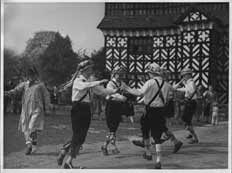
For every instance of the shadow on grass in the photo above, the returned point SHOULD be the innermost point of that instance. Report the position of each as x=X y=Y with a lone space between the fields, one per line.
x=45 y=154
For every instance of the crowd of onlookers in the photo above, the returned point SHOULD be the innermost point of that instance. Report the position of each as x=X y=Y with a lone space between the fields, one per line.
x=207 y=110
x=207 y=103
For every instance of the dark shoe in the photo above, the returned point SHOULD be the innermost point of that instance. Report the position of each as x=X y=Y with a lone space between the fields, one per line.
x=104 y=151
x=147 y=157
x=158 y=165
x=138 y=143
x=115 y=151
x=177 y=147
x=29 y=149
x=166 y=137
x=60 y=158
x=194 y=141
x=161 y=141
x=189 y=137
x=68 y=166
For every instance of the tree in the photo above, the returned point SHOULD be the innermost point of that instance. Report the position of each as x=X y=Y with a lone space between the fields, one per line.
x=53 y=55
x=98 y=58
x=11 y=65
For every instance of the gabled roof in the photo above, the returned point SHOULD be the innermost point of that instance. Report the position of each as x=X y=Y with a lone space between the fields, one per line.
x=161 y=21
x=191 y=10
x=137 y=22
x=209 y=16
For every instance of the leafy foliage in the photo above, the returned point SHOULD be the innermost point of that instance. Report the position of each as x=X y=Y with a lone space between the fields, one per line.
x=52 y=54
x=11 y=65
x=98 y=58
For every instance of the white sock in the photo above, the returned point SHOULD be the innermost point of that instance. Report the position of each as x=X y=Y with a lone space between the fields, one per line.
x=158 y=152
x=34 y=148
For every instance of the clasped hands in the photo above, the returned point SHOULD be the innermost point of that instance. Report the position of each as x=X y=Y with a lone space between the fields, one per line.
x=125 y=87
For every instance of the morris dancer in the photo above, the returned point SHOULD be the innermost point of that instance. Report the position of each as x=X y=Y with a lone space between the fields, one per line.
x=154 y=119
x=35 y=103
x=114 y=110
x=215 y=113
x=80 y=113
x=190 y=101
x=66 y=147
x=168 y=134
x=170 y=112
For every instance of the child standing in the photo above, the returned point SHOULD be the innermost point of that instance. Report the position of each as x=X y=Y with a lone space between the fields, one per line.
x=215 y=113
x=209 y=96
x=35 y=102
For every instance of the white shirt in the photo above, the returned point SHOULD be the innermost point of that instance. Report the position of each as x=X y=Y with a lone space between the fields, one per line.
x=189 y=88
x=81 y=87
x=150 y=88
x=112 y=86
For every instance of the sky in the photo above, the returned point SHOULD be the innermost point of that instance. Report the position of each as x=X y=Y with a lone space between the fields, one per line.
x=77 y=20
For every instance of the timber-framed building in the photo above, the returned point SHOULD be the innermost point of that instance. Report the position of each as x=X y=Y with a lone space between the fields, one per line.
x=174 y=35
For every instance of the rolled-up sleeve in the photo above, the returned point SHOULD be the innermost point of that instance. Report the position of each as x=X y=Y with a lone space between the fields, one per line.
x=144 y=89
x=183 y=89
x=81 y=85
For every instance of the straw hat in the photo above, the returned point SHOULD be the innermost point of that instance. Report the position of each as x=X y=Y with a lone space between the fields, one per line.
x=118 y=70
x=185 y=71
x=154 y=68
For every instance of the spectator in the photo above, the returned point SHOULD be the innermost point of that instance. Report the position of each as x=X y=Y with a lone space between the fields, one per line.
x=215 y=113
x=7 y=99
x=209 y=97
x=200 y=106
x=55 y=95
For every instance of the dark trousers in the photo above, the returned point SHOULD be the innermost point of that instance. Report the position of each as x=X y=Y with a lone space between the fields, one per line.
x=189 y=110
x=113 y=115
x=207 y=110
x=154 y=122
x=81 y=117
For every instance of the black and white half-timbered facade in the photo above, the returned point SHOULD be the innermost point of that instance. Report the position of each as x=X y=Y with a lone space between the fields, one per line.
x=174 y=35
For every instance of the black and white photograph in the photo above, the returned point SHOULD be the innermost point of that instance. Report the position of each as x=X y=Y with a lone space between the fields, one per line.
x=115 y=85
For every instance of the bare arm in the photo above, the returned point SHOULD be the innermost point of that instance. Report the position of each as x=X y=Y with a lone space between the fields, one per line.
x=80 y=85
x=137 y=92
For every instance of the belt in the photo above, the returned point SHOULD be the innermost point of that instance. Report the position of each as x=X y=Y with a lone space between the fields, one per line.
x=190 y=99
x=150 y=107
x=77 y=102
